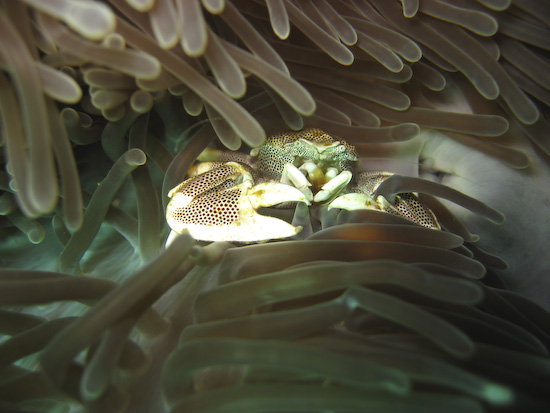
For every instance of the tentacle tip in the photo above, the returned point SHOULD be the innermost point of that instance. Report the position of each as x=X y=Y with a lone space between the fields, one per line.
x=497 y=217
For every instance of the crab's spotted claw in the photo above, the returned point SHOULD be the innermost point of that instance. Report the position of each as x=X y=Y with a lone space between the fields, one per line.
x=406 y=205
x=220 y=205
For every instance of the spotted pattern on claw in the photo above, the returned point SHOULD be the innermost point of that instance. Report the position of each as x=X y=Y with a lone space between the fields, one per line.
x=406 y=205
x=209 y=209
x=206 y=181
x=198 y=201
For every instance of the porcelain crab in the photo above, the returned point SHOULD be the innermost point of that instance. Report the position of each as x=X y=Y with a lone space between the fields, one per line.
x=219 y=200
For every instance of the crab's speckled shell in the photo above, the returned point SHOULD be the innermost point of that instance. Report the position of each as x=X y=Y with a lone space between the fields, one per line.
x=273 y=155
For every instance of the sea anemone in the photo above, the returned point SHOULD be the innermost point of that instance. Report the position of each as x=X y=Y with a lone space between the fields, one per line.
x=104 y=106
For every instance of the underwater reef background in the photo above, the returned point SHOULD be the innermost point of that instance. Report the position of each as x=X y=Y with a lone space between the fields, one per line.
x=104 y=106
